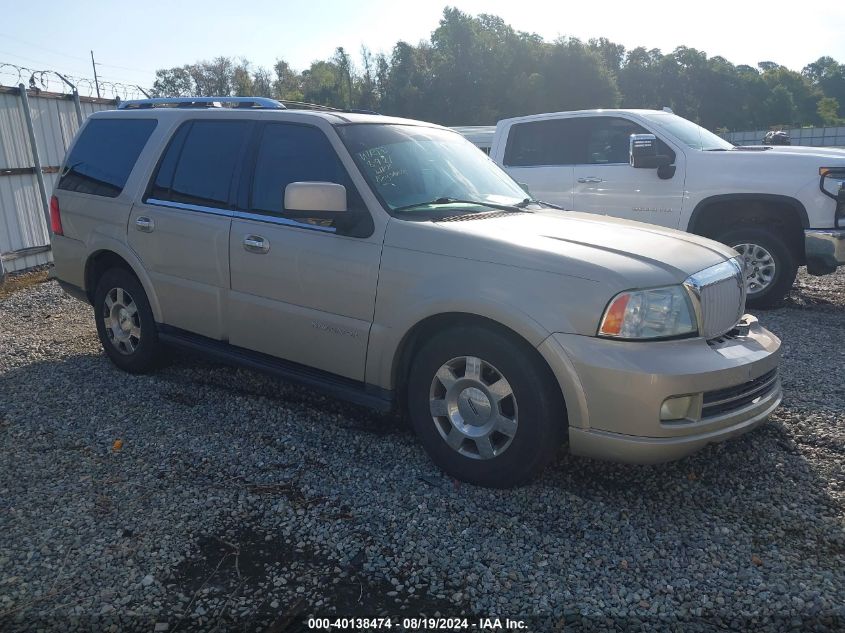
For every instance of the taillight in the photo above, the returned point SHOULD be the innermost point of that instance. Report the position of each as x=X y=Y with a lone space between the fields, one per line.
x=55 y=217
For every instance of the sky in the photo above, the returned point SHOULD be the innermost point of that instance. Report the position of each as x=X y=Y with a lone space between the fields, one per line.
x=131 y=40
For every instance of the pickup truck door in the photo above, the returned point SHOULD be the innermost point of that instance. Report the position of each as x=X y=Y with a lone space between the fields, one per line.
x=299 y=291
x=540 y=155
x=606 y=183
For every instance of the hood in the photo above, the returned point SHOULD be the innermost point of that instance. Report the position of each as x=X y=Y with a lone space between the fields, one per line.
x=835 y=153
x=621 y=254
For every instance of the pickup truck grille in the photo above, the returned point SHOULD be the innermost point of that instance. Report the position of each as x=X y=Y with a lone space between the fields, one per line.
x=720 y=290
x=731 y=399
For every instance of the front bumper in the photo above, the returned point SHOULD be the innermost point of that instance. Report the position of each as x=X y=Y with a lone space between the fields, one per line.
x=824 y=249
x=614 y=391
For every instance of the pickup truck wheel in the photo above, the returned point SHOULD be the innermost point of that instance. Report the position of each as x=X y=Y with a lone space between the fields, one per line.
x=486 y=410
x=125 y=323
x=770 y=265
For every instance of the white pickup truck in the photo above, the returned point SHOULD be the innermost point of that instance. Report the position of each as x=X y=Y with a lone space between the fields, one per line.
x=779 y=207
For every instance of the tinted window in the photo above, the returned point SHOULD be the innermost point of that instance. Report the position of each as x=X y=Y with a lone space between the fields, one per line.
x=550 y=142
x=104 y=155
x=609 y=140
x=295 y=153
x=199 y=164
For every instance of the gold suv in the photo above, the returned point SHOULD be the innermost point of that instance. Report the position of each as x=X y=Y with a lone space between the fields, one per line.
x=390 y=262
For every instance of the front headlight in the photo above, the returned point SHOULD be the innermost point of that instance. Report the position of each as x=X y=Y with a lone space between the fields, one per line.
x=648 y=314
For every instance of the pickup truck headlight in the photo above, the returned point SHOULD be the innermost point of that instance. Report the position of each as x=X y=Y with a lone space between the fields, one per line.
x=649 y=314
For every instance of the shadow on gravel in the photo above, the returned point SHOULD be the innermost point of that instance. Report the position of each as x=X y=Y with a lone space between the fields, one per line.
x=269 y=570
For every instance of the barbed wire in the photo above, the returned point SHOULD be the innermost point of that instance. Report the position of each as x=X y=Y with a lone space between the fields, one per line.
x=51 y=81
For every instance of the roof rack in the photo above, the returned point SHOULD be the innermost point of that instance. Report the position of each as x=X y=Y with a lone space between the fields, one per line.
x=201 y=102
x=305 y=105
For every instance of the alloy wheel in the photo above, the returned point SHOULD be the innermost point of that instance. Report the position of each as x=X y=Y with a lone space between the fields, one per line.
x=473 y=407
x=122 y=320
x=760 y=267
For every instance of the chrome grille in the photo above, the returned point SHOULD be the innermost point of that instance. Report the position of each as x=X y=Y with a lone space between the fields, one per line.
x=720 y=294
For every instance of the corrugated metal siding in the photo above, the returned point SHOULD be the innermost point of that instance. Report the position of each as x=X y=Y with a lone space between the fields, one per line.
x=22 y=221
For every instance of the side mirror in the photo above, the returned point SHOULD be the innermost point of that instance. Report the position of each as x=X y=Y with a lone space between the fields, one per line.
x=323 y=200
x=643 y=151
x=524 y=187
x=643 y=155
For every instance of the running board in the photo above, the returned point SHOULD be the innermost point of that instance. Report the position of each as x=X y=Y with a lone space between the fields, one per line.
x=331 y=384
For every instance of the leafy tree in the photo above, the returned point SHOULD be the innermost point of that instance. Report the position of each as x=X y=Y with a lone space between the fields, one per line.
x=829 y=111
x=173 y=82
x=242 y=80
x=288 y=84
x=780 y=107
x=476 y=69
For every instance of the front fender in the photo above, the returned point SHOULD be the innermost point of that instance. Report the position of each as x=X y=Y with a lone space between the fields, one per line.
x=533 y=304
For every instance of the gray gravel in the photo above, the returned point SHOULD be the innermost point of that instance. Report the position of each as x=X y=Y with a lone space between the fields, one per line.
x=238 y=502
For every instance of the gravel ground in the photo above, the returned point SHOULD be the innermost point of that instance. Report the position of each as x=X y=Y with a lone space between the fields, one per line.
x=203 y=497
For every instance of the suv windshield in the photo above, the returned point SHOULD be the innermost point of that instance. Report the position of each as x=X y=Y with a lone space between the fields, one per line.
x=688 y=132
x=415 y=167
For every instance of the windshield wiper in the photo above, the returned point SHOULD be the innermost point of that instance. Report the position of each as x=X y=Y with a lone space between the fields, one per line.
x=528 y=201
x=439 y=201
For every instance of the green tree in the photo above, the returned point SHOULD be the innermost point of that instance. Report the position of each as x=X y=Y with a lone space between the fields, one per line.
x=173 y=82
x=829 y=111
x=242 y=80
x=476 y=69
x=288 y=84
x=780 y=107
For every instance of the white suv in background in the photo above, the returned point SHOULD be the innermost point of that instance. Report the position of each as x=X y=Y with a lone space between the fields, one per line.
x=778 y=207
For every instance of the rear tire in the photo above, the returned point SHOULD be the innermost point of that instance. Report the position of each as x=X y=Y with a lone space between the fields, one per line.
x=125 y=322
x=771 y=266
x=486 y=408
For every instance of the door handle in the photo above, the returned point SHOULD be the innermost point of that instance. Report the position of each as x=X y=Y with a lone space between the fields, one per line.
x=145 y=224
x=590 y=179
x=256 y=244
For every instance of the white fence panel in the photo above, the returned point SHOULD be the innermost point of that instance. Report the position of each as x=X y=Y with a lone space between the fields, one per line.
x=24 y=234
x=809 y=136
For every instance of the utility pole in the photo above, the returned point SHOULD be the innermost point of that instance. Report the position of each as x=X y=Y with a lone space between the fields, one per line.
x=96 y=80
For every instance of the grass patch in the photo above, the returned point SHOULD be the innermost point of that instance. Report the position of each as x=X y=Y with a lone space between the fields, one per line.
x=20 y=281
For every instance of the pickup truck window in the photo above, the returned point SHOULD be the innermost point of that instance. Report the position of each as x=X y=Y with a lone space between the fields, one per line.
x=411 y=165
x=609 y=140
x=690 y=134
x=546 y=142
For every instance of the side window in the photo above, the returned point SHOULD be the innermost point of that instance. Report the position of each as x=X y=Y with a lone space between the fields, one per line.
x=104 y=156
x=199 y=163
x=609 y=138
x=295 y=153
x=548 y=142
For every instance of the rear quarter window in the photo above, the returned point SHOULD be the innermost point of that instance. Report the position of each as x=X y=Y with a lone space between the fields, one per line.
x=104 y=155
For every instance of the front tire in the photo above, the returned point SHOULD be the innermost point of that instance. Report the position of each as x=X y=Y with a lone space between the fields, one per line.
x=770 y=265
x=125 y=323
x=486 y=408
